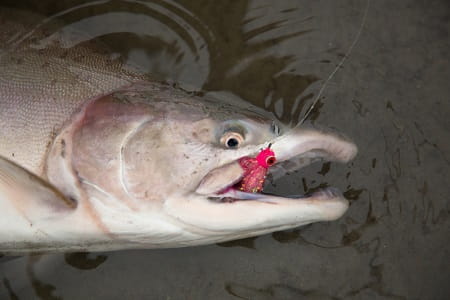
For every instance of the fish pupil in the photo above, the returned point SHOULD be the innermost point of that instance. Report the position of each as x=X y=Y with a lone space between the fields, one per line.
x=232 y=143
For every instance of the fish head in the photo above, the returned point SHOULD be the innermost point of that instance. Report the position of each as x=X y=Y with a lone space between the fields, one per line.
x=221 y=211
x=171 y=164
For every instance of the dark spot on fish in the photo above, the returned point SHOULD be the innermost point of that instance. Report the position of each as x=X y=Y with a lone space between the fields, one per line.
x=186 y=156
x=12 y=154
x=77 y=77
x=80 y=260
x=325 y=61
x=374 y=163
x=223 y=200
x=53 y=82
x=73 y=202
x=64 y=54
x=205 y=159
x=205 y=131
x=245 y=243
x=45 y=65
x=79 y=58
x=63 y=148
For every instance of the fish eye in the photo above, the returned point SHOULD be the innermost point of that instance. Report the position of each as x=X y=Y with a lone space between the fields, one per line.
x=232 y=140
x=232 y=143
x=275 y=129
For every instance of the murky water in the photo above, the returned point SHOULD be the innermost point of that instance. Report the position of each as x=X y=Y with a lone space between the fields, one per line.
x=391 y=96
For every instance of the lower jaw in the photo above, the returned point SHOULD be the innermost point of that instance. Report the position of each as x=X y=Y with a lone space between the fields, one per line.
x=232 y=195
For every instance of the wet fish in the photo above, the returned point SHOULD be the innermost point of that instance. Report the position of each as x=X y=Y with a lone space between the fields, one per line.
x=96 y=156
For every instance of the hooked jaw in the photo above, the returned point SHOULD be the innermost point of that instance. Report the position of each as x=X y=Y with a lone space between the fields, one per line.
x=231 y=208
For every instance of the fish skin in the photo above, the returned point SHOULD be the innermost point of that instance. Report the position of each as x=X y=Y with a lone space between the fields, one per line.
x=54 y=80
x=96 y=156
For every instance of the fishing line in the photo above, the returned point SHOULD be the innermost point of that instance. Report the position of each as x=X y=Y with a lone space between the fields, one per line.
x=347 y=54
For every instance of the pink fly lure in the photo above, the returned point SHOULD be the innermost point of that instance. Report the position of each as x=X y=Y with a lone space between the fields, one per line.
x=255 y=170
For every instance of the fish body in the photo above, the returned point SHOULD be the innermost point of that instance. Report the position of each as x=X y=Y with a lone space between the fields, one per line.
x=95 y=156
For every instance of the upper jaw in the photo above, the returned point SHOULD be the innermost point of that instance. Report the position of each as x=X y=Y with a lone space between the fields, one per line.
x=326 y=145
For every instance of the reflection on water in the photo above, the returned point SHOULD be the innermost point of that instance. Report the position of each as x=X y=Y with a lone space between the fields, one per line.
x=43 y=290
x=390 y=96
x=81 y=260
x=216 y=46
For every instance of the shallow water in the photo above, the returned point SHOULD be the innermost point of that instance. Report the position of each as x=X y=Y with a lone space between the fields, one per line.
x=391 y=96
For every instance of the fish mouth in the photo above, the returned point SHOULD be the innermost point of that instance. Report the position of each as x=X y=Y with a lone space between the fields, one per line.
x=293 y=151
x=221 y=212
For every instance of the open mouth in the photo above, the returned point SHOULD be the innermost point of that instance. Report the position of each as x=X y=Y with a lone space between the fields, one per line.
x=221 y=207
x=244 y=178
x=234 y=192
